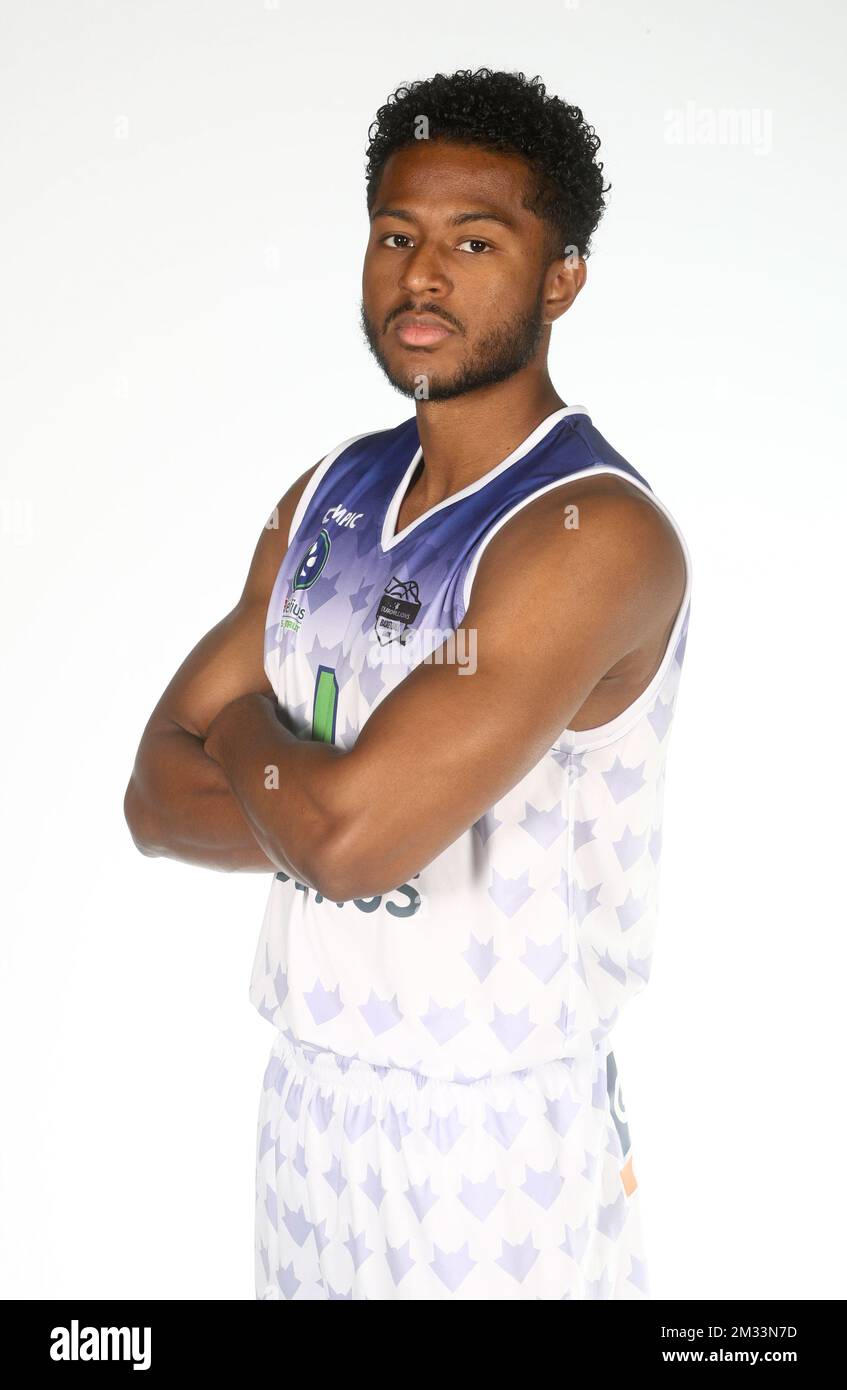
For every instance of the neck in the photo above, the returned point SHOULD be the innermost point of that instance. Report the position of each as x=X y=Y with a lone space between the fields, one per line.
x=461 y=439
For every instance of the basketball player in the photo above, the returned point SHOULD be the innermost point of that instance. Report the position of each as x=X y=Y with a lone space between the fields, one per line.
x=437 y=718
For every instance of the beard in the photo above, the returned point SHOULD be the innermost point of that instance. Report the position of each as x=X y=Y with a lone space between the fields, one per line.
x=499 y=354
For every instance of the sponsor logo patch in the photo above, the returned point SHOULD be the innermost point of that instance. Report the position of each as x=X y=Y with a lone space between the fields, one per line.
x=312 y=565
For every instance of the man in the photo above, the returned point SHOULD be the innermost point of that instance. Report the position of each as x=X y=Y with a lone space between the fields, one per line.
x=438 y=715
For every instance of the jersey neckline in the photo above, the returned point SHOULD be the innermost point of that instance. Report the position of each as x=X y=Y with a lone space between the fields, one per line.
x=388 y=539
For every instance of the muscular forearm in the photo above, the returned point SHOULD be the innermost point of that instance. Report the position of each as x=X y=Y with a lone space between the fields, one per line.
x=283 y=784
x=179 y=805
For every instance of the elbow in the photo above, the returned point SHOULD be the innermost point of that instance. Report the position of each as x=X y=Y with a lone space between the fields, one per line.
x=138 y=822
x=320 y=871
x=339 y=885
x=348 y=865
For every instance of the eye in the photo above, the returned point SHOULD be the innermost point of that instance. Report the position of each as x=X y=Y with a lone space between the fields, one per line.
x=477 y=241
x=394 y=236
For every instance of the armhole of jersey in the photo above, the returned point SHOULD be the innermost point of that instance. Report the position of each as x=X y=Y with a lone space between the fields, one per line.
x=317 y=478
x=581 y=740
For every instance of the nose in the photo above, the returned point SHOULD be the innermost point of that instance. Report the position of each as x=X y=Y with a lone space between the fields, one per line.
x=424 y=272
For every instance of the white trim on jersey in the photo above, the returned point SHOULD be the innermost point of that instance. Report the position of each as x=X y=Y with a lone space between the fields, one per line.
x=388 y=539
x=580 y=740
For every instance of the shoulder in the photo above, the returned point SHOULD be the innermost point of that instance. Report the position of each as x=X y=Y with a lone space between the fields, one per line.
x=277 y=531
x=273 y=540
x=600 y=539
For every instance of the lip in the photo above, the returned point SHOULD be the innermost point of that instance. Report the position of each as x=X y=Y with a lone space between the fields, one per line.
x=421 y=330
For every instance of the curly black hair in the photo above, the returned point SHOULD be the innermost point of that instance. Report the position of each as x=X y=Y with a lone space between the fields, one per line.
x=508 y=113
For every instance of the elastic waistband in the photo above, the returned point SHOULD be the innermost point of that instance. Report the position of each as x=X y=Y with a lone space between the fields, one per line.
x=355 y=1075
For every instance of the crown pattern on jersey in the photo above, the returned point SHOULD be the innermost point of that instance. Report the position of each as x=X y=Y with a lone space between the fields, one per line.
x=524 y=940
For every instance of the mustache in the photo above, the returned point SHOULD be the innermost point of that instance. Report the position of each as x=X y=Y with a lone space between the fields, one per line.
x=434 y=309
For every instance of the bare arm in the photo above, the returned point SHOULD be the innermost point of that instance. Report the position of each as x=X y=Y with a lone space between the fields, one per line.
x=178 y=802
x=552 y=612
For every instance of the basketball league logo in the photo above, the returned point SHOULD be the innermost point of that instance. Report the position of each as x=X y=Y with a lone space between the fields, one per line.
x=399 y=606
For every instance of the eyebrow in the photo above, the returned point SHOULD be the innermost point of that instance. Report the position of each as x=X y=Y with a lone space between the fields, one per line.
x=402 y=215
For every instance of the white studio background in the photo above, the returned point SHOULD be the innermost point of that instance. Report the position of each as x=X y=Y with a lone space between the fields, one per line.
x=183 y=222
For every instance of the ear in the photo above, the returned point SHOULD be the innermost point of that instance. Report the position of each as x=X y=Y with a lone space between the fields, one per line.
x=563 y=280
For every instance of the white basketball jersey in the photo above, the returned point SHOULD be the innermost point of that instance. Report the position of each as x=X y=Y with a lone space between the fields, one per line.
x=522 y=942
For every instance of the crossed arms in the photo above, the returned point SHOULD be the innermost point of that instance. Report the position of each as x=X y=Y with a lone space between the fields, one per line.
x=220 y=781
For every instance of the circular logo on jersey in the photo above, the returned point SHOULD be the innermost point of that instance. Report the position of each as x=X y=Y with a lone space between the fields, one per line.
x=312 y=565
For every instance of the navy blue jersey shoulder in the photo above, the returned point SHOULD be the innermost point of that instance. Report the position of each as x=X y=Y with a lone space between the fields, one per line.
x=363 y=472
x=371 y=467
x=360 y=486
x=601 y=450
